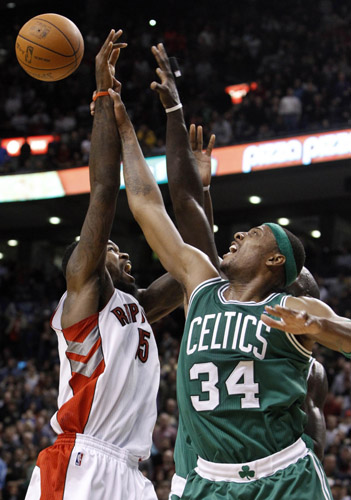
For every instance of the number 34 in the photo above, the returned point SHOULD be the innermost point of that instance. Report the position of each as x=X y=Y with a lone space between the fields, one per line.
x=248 y=388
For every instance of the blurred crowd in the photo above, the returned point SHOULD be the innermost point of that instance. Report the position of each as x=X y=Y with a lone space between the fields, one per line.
x=29 y=374
x=296 y=54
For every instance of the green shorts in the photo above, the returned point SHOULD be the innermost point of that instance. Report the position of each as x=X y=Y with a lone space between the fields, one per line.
x=303 y=480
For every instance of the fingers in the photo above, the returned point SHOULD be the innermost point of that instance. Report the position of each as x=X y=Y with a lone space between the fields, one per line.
x=161 y=75
x=117 y=35
x=289 y=316
x=160 y=55
x=108 y=40
x=273 y=323
x=117 y=86
x=110 y=44
x=199 y=138
x=92 y=104
x=114 y=96
x=158 y=86
x=280 y=311
x=155 y=86
x=210 y=145
x=192 y=136
x=114 y=56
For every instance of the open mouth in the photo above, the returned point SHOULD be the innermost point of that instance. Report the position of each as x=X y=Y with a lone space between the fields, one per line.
x=233 y=248
x=127 y=268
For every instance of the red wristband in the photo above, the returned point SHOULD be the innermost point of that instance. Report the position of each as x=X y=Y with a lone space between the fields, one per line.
x=100 y=94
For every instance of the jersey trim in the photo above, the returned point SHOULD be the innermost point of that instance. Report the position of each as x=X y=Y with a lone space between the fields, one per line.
x=202 y=285
x=249 y=303
x=254 y=470
x=53 y=316
x=312 y=360
x=293 y=339
x=321 y=474
x=177 y=486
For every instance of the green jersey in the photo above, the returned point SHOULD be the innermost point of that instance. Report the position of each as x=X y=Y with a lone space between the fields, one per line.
x=240 y=384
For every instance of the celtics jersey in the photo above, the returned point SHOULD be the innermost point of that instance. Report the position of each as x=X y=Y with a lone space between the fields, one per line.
x=240 y=383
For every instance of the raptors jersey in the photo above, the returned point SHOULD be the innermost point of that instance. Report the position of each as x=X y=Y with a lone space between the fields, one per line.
x=109 y=375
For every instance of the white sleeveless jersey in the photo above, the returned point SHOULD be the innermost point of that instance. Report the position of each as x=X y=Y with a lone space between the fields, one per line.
x=109 y=375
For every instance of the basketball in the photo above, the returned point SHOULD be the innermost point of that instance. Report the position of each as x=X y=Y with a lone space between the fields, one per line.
x=49 y=47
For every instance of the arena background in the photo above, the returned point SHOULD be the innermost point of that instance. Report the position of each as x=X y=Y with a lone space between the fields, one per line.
x=302 y=45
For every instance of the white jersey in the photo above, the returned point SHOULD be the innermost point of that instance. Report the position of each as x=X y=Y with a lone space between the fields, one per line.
x=109 y=375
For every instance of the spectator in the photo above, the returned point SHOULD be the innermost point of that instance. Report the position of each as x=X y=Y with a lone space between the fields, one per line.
x=290 y=109
x=222 y=129
x=163 y=429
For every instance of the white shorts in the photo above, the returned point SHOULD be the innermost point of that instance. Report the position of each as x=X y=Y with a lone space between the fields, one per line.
x=79 y=467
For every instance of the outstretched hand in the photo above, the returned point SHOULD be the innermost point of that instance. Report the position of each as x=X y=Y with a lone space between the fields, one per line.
x=167 y=89
x=105 y=65
x=203 y=158
x=292 y=321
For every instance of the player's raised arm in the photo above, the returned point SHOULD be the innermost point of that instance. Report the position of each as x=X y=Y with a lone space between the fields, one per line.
x=203 y=161
x=184 y=181
x=86 y=266
x=161 y=297
x=313 y=319
x=188 y=265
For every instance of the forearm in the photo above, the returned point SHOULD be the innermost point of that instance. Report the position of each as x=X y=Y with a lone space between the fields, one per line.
x=140 y=184
x=105 y=153
x=186 y=188
x=183 y=176
x=208 y=208
x=161 y=297
x=335 y=334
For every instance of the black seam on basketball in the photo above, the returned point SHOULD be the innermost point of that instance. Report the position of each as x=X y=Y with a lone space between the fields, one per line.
x=58 y=29
x=46 y=48
x=44 y=70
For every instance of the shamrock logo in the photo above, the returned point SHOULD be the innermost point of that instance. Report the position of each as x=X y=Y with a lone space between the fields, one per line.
x=246 y=472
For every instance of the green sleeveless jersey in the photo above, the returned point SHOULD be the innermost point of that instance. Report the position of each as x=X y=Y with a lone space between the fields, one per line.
x=240 y=384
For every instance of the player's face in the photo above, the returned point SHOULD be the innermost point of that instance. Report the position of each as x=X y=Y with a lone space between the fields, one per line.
x=118 y=264
x=249 y=249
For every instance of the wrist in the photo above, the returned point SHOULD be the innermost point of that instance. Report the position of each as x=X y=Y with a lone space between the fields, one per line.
x=174 y=108
x=100 y=93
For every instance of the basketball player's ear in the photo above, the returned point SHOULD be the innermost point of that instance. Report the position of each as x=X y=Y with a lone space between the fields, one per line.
x=276 y=259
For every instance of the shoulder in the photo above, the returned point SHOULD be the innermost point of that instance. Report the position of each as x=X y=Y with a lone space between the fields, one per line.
x=317 y=383
x=318 y=373
x=208 y=286
x=309 y=305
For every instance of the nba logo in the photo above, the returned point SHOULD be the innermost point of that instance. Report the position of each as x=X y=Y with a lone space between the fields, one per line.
x=79 y=458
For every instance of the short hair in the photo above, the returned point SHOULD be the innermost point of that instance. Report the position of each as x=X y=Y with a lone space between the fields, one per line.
x=66 y=256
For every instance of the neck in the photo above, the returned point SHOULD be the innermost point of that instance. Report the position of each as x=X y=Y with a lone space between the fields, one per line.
x=256 y=290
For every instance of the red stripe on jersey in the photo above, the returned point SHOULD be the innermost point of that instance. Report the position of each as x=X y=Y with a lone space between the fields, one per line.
x=79 y=331
x=53 y=463
x=86 y=367
x=74 y=414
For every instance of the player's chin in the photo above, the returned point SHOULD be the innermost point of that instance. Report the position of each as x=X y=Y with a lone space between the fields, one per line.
x=127 y=286
x=128 y=278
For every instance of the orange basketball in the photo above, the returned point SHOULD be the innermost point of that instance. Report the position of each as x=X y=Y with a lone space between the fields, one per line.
x=49 y=47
